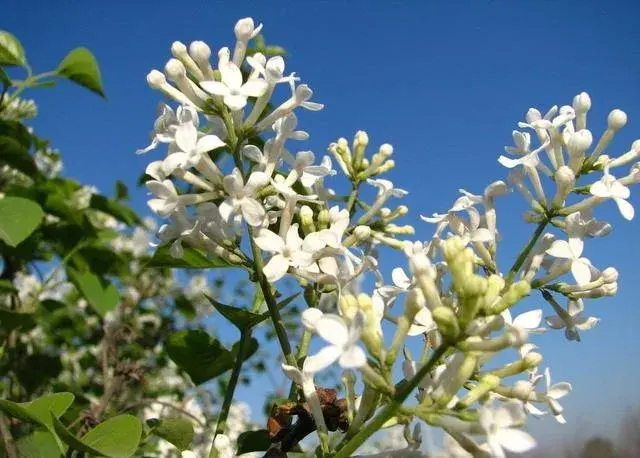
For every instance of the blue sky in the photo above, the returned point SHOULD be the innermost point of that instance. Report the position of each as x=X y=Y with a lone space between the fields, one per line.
x=445 y=83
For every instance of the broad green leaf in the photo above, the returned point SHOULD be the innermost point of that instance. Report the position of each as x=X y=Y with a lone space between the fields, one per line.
x=81 y=67
x=16 y=156
x=4 y=78
x=253 y=441
x=192 y=259
x=117 y=437
x=186 y=307
x=71 y=440
x=10 y=320
x=114 y=208
x=19 y=217
x=243 y=319
x=39 y=444
x=17 y=131
x=11 y=51
x=39 y=410
x=201 y=356
x=102 y=298
x=177 y=431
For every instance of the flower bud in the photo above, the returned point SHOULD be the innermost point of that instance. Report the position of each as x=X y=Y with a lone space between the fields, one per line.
x=565 y=181
x=414 y=302
x=155 y=79
x=384 y=168
x=610 y=289
x=323 y=219
x=200 y=51
x=610 y=275
x=175 y=70
x=399 y=230
x=487 y=383
x=360 y=143
x=348 y=305
x=532 y=359
x=447 y=322
x=517 y=336
x=306 y=220
x=522 y=390
x=360 y=234
x=178 y=49
x=514 y=294
x=617 y=119
x=582 y=102
x=386 y=150
x=244 y=29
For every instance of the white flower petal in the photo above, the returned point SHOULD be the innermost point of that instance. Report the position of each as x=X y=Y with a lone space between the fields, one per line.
x=333 y=329
x=560 y=249
x=515 y=440
x=269 y=241
x=215 y=88
x=559 y=390
x=252 y=211
x=528 y=320
x=353 y=358
x=581 y=272
x=276 y=268
x=626 y=209
x=323 y=359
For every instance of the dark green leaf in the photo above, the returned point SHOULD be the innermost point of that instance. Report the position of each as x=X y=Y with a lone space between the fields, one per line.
x=241 y=318
x=19 y=217
x=201 y=356
x=10 y=320
x=186 y=307
x=16 y=156
x=253 y=441
x=192 y=259
x=4 y=78
x=17 y=131
x=102 y=298
x=6 y=286
x=122 y=192
x=39 y=410
x=81 y=67
x=116 y=209
x=11 y=51
x=177 y=431
x=49 y=366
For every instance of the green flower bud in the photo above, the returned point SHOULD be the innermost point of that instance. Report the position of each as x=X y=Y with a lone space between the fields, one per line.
x=447 y=323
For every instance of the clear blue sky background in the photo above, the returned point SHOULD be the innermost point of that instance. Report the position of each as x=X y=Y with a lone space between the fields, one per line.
x=444 y=83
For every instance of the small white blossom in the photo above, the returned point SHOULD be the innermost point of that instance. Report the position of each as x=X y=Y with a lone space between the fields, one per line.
x=500 y=425
x=572 y=320
x=232 y=89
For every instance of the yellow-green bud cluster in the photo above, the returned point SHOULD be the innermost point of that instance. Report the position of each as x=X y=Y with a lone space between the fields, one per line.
x=353 y=161
x=372 y=333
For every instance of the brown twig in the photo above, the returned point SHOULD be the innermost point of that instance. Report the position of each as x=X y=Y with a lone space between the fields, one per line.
x=7 y=438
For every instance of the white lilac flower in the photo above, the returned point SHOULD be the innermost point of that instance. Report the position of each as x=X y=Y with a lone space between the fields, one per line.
x=190 y=148
x=304 y=378
x=422 y=322
x=555 y=392
x=167 y=199
x=500 y=424
x=573 y=320
x=232 y=89
x=163 y=128
x=529 y=321
x=572 y=251
x=292 y=251
x=581 y=224
x=241 y=201
x=308 y=173
x=608 y=187
x=472 y=232
x=343 y=343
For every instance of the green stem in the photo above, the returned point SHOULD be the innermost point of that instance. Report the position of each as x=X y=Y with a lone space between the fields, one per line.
x=272 y=304
x=347 y=449
x=243 y=348
x=353 y=197
x=527 y=249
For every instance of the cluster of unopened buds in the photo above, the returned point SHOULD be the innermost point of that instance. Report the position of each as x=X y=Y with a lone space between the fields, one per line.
x=271 y=213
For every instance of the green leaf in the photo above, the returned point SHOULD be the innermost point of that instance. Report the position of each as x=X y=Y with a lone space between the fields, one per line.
x=201 y=356
x=177 y=431
x=19 y=217
x=4 y=78
x=39 y=444
x=6 y=286
x=186 y=307
x=253 y=441
x=49 y=367
x=118 y=437
x=192 y=259
x=114 y=208
x=16 y=156
x=10 y=320
x=71 y=440
x=122 y=192
x=11 y=51
x=243 y=319
x=81 y=67
x=39 y=410
x=102 y=298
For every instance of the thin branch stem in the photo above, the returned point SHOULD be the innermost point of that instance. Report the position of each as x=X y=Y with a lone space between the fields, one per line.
x=243 y=349
x=347 y=449
x=527 y=249
x=7 y=438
